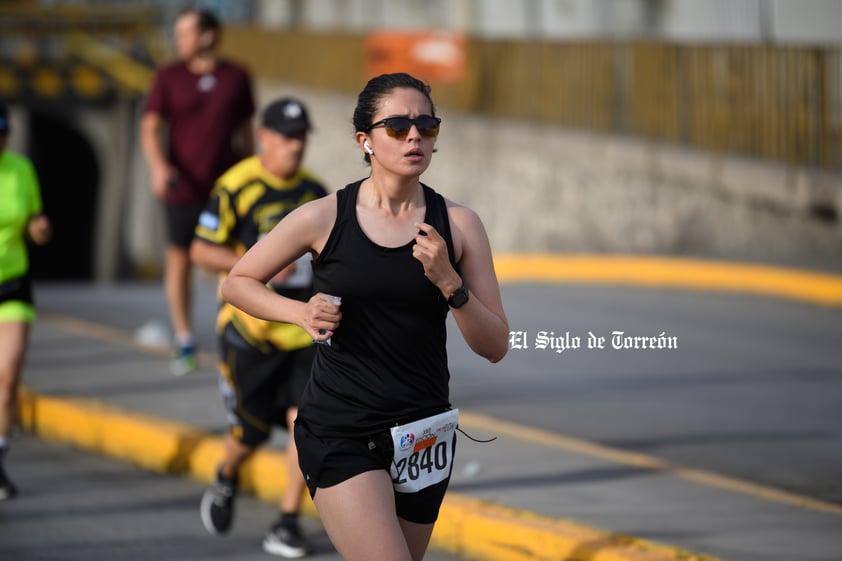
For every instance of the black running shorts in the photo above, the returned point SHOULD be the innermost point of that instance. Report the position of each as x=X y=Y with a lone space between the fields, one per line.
x=181 y=223
x=258 y=388
x=329 y=461
x=18 y=288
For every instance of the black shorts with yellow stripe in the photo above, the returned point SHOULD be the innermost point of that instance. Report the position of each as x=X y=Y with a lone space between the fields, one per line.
x=259 y=387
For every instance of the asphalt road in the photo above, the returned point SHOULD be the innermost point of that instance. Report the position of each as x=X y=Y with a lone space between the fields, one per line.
x=753 y=389
x=77 y=506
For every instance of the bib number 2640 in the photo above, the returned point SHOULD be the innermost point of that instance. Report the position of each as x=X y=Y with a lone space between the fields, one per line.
x=423 y=451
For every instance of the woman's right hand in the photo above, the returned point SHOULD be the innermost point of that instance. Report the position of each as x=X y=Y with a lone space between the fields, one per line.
x=321 y=316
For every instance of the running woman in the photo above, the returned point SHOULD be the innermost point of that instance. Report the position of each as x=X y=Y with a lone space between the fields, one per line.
x=375 y=427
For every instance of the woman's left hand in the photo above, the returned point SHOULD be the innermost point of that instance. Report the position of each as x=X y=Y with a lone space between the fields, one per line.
x=431 y=250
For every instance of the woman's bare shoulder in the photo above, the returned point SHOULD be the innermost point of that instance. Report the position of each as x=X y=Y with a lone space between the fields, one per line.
x=461 y=215
x=317 y=212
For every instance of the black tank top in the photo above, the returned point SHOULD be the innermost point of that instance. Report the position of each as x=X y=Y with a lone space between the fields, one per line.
x=387 y=361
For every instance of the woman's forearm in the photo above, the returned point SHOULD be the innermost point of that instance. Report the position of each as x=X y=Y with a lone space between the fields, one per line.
x=260 y=301
x=485 y=332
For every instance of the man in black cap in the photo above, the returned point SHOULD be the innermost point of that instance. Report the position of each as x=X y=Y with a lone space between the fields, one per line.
x=264 y=365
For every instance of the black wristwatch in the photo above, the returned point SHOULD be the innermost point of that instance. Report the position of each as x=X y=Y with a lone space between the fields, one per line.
x=459 y=297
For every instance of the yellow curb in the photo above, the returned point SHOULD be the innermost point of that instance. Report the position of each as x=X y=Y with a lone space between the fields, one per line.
x=158 y=445
x=267 y=476
x=467 y=527
x=154 y=444
x=474 y=529
x=695 y=274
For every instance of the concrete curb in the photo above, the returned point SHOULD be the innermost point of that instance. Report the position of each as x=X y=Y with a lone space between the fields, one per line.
x=470 y=528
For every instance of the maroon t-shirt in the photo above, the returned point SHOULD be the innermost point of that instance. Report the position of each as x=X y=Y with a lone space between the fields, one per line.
x=203 y=112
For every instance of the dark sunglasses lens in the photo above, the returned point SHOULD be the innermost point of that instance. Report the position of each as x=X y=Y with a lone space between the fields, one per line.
x=398 y=127
x=427 y=126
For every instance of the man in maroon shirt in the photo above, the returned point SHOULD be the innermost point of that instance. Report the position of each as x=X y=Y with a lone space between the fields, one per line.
x=207 y=104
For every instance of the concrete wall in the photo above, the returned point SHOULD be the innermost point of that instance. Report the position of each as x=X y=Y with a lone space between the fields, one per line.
x=547 y=189
x=542 y=188
x=781 y=21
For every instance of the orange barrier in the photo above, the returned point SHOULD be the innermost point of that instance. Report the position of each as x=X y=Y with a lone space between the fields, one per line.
x=437 y=57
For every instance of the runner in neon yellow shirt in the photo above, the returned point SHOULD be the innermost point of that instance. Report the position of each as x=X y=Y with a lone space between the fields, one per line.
x=20 y=216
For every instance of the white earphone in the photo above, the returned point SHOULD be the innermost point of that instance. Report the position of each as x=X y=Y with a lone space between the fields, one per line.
x=367 y=147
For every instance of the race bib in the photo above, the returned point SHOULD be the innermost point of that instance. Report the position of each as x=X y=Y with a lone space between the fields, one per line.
x=423 y=451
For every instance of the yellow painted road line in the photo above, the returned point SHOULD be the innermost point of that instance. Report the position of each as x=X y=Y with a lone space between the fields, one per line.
x=554 y=440
x=695 y=274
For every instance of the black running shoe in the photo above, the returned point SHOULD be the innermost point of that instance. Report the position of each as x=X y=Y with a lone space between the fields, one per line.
x=285 y=539
x=217 y=508
x=7 y=488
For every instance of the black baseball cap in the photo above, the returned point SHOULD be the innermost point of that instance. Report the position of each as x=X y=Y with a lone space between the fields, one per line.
x=286 y=116
x=4 y=117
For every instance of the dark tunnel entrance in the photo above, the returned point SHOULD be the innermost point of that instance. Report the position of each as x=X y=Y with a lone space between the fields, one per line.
x=68 y=172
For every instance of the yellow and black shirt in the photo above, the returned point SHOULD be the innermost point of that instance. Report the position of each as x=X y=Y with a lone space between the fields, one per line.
x=246 y=203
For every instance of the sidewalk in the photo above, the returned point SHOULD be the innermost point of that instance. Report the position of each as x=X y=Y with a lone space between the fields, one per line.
x=530 y=495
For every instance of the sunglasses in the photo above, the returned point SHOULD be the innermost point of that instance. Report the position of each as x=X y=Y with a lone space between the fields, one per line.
x=398 y=127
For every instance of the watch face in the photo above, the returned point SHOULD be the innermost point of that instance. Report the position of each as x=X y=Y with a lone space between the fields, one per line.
x=458 y=298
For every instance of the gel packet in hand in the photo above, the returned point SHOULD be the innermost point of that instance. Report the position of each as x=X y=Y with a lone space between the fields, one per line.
x=333 y=300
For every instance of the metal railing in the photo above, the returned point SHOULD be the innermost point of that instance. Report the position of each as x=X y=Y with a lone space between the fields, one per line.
x=775 y=102
x=779 y=103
